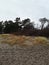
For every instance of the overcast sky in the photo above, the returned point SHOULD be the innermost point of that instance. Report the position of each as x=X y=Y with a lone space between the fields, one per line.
x=33 y=9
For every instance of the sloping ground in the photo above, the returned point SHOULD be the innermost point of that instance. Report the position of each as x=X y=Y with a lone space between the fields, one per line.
x=19 y=55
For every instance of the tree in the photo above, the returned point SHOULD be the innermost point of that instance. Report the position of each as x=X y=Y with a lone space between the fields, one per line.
x=4 y=26
x=8 y=26
x=17 y=24
x=25 y=22
x=43 y=21
x=1 y=27
x=27 y=25
x=17 y=19
x=47 y=24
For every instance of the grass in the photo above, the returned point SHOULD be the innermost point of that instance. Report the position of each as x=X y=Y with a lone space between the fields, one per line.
x=22 y=40
x=40 y=40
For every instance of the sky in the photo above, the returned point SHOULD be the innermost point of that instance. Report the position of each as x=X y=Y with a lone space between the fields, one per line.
x=33 y=9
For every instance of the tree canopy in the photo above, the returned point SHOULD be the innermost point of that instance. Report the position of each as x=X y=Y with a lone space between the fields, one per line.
x=25 y=27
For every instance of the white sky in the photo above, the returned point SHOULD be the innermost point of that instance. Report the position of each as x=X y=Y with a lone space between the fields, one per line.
x=33 y=9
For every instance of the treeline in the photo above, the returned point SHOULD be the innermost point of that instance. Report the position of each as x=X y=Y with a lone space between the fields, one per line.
x=25 y=27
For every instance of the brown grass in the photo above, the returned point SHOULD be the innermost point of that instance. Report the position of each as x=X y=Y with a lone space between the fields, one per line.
x=40 y=40
x=22 y=40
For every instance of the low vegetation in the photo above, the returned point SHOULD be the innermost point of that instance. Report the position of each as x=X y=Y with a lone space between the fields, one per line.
x=22 y=40
x=40 y=40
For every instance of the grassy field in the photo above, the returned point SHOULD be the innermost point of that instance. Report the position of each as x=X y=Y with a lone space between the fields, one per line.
x=22 y=40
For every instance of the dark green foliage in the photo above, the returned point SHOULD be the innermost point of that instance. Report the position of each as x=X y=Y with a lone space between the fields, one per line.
x=1 y=26
x=25 y=27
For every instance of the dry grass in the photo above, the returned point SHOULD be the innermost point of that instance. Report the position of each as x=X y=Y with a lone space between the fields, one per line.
x=22 y=40
x=40 y=40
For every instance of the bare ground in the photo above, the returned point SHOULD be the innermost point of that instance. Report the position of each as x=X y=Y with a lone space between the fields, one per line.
x=19 y=55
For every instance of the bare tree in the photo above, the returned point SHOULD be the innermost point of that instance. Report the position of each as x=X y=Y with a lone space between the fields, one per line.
x=43 y=21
